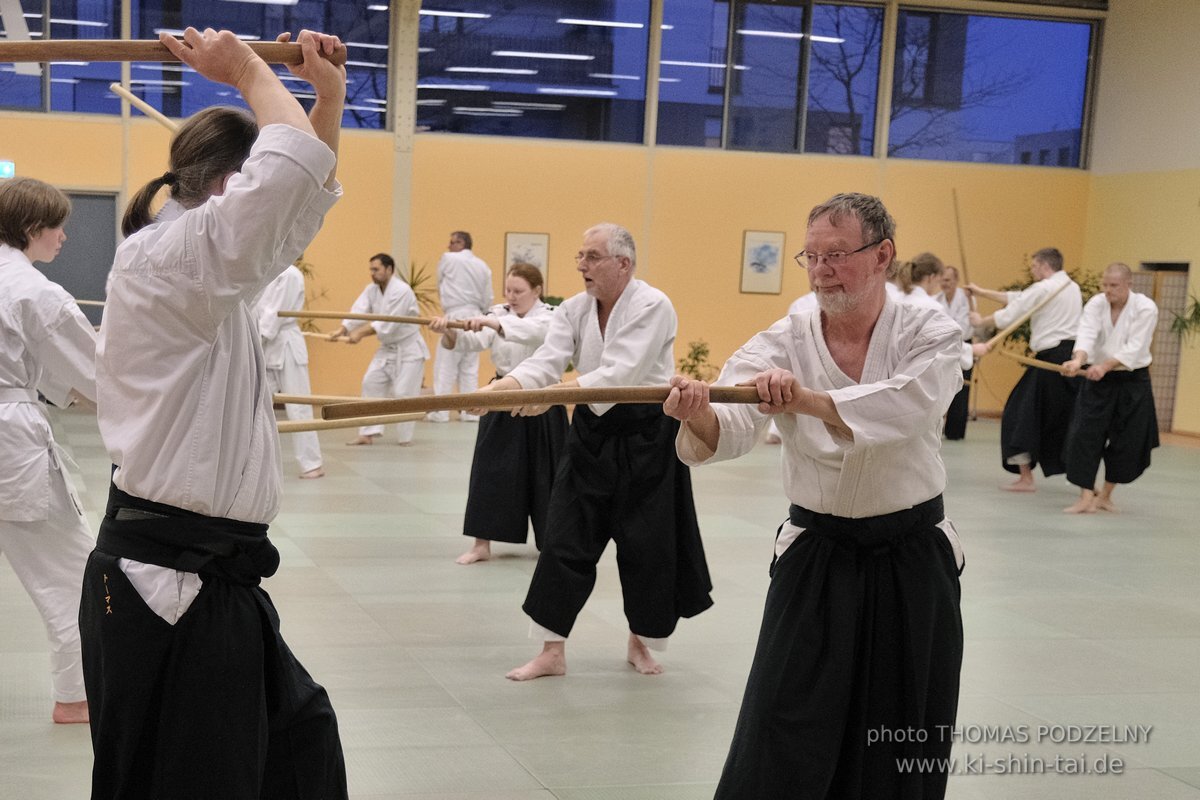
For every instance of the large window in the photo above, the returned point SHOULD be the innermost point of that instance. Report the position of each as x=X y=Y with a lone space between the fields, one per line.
x=758 y=76
x=21 y=84
x=994 y=89
x=571 y=69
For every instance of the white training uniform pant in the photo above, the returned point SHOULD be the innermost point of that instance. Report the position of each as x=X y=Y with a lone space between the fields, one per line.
x=388 y=376
x=451 y=367
x=292 y=378
x=48 y=557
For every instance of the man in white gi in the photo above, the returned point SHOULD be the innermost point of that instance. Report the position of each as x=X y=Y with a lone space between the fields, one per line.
x=861 y=630
x=399 y=363
x=618 y=477
x=958 y=306
x=1037 y=412
x=1114 y=417
x=286 y=357
x=46 y=345
x=465 y=287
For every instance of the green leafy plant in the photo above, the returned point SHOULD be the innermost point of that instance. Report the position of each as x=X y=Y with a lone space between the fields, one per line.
x=695 y=363
x=424 y=285
x=308 y=270
x=1187 y=324
x=552 y=300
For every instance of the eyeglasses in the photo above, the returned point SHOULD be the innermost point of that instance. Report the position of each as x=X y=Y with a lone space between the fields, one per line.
x=590 y=257
x=834 y=258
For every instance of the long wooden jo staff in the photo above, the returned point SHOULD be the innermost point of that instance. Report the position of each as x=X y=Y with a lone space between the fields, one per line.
x=302 y=425
x=462 y=326
x=139 y=50
x=1019 y=321
x=1046 y=365
x=141 y=105
x=527 y=397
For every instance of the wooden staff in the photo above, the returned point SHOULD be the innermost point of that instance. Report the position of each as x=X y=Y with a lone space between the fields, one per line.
x=462 y=326
x=313 y=399
x=1048 y=365
x=301 y=425
x=139 y=50
x=323 y=336
x=90 y=303
x=962 y=249
x=528 y=397
x=141 y=105
x=1002 y=335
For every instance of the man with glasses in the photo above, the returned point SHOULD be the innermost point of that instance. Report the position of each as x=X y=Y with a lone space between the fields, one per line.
x=618 y=477
x=1037 y=413
x=860 y=648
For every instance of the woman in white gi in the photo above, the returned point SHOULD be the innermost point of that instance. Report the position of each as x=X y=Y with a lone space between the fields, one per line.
x=47 y=346
x=286 y=355
x=193 y=692
x=513 y=468
x=399 y=363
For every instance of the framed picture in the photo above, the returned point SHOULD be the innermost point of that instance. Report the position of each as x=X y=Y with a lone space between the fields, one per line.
x=762 y=262
x=530 y=248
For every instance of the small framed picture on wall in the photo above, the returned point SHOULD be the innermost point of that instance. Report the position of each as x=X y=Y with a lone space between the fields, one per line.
x=528 y=248
x=762 y=262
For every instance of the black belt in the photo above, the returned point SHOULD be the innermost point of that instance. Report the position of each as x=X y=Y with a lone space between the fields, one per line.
x=160 y=534
x=870 y=533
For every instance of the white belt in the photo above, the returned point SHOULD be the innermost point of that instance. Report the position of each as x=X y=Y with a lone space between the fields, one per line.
x=17 y=395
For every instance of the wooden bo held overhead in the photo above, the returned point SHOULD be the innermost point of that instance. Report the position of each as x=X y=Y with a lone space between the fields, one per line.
x=138 y=50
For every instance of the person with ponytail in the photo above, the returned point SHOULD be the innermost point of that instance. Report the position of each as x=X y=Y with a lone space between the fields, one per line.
x=46 y=346
x=192 y=690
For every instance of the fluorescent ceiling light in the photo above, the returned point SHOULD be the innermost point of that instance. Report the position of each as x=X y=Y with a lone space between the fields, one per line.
x=304 y=95
x=580 y=92
x=374 y=109
x=601 y=23
x=828 y=39
x=267 y=2
x=530 y=106
x=457 y=87
x=370 y=64
x=170 y=68
x=368 y=45
x=670 y=80
x=377 y=101
x=377 y=8
x=70 y=63
x=428 y=12
x=705 y=64
x=775 y=34
x=668 y=27
x=424 y=49
x=529 y=54
x=512 y=112
x=79 y=23
x=497 y=113
x=612 y=77
x=431 y=102
x=64 y=80
x=155 y=82
x=493 y=70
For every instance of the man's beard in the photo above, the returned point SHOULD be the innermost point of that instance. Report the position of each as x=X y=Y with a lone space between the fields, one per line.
x=842 y=302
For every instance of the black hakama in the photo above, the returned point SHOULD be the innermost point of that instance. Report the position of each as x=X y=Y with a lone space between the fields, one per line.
x=956 y=415
x=816 y=720
x=1114 y=420
x=1037 y=414
x=216 y=705
x=619 y=478
x=512 y=473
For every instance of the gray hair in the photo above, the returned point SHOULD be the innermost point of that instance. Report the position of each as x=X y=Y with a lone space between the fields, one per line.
x=1120 y=268
x=872 y=216
x=620 y=240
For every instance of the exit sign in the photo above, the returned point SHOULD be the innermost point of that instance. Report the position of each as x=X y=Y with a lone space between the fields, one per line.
x=7 y=169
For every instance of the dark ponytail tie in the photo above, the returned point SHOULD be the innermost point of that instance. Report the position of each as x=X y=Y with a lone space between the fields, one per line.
x=168 y=179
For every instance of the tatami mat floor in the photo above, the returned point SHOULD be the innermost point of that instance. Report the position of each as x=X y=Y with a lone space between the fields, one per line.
x=1070 y=621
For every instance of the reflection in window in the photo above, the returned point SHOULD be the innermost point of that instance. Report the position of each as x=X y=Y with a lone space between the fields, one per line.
x=843 y=79
x=565 y=69
x=691 y=86
x=21 y=84
x=178 y=91
x=991 y=89
x=80 y=85
x=765 y=81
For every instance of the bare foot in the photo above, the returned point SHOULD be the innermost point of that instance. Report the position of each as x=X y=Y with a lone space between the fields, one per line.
x=1106 y=504
x=551 y=661
x=1019 y=485
x=69 y=713
x=363 y=440
x=639 y=656
x=1084 y=505
x=481 y=551
x=315 y=472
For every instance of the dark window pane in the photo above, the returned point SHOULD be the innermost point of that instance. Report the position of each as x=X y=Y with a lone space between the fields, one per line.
x=565 y=69
x=21 y=84
x=843 y=79
x=83 y=86
x=692 y=78
x=993 y=89
x=765 y=89
x=178 y=91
